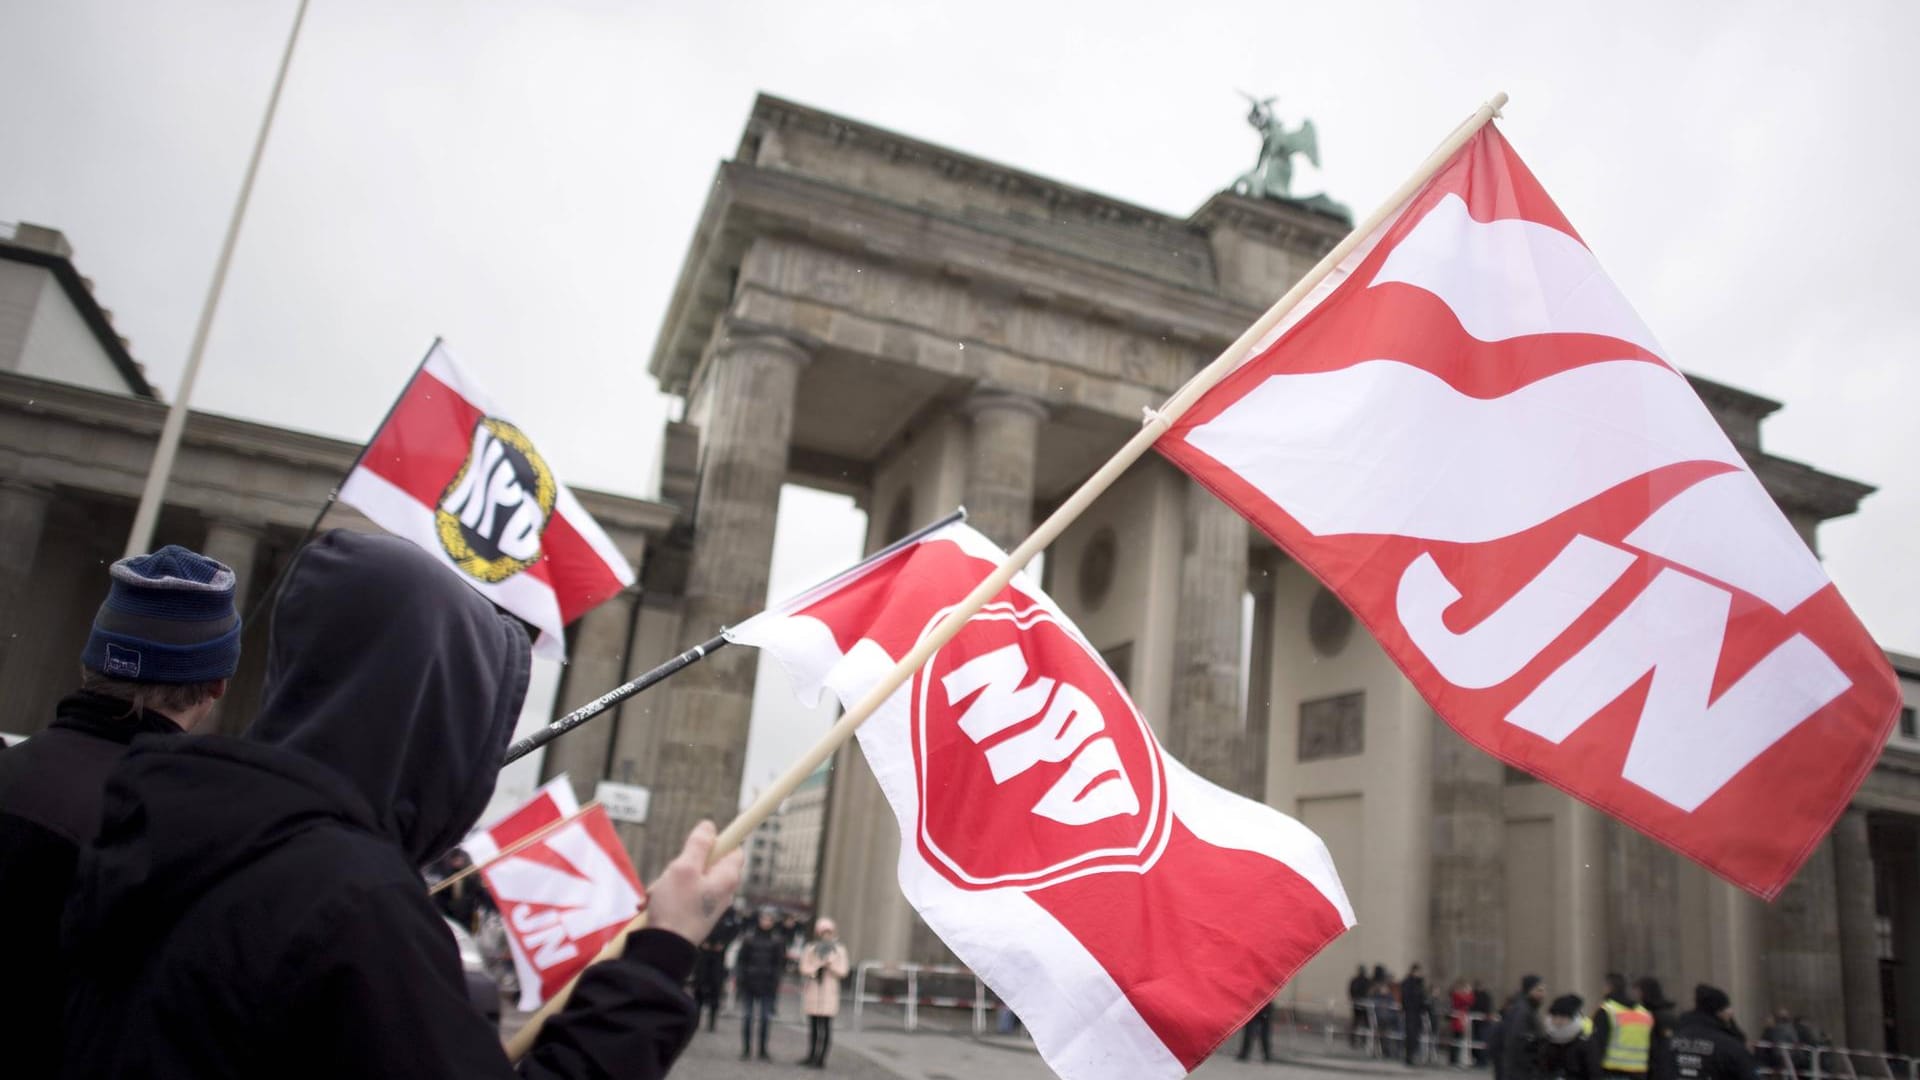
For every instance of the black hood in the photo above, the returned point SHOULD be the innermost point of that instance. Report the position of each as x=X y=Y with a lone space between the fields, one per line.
x=392 y=689
x=388 y=669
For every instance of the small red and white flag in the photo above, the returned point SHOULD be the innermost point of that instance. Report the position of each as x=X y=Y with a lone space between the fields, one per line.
x=1132 y=914
x=450 y=472
x=562 y=896
x=1469 y=435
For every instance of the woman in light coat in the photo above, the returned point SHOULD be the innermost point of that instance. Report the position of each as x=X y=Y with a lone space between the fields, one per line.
x=822 y=966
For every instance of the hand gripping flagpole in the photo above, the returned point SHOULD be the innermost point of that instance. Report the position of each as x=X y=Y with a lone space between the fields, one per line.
x=694 y=655
x=1157 y=423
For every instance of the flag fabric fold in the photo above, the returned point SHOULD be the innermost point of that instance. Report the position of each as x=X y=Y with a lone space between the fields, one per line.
x=1131 y=913
x=449 y=471
x=1472 y=439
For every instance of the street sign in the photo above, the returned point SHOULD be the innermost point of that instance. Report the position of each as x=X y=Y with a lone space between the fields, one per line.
x=624 y=802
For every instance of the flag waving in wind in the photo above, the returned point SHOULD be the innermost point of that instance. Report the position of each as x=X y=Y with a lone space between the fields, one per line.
x=1469 y=436
x=451 y=473
x=1081 y=872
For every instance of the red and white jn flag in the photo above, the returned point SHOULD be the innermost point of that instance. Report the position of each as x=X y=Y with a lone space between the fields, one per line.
x=1472 y=439
x=451 y=473
x=1132 y=914
x=563 y=896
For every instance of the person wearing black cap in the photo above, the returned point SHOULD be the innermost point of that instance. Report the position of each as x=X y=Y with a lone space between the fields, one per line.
x=254 y=906
x=1706 y=1044
x=162 y=647
x=1520 y=1031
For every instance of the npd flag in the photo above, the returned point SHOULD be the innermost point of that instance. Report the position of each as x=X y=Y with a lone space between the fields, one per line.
x=1131 y=913
x=1473 y=440
x=450 y=472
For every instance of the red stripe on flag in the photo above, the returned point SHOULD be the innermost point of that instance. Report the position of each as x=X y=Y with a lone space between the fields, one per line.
x=580 y=578
x=1198 y=937
x=426 y=440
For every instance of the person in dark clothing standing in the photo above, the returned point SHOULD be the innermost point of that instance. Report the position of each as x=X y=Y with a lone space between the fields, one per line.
x=1521 y=1032
x=254 y=907
x=1258 y=1027
x=1563 y=1043
x=1413 y=1009
x=710 y=968
x=1479 y=1030
x=162 y=647
x=1707 y=1044
x=1357 y=989
x=757 y=968
x=1654 y=1000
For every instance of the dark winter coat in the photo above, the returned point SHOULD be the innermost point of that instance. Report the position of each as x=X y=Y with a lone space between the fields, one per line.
x=253 y=907
x=1704 y=1047
x=1413 y=1003
x=50 y=791
x=761 y=961
x=1521 y=1031
x=1659 y=1060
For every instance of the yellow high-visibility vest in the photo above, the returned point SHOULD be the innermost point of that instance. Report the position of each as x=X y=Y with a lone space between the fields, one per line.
x=1630 y=1041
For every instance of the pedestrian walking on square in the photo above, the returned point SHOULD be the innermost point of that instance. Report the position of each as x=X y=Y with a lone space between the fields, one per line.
x=1622 y=1041
x=159 y=655
x=1358 y=988
x=1413 y=1009
x=823 y=963
x=1258 y=1027
x=1520 y=1032
x=710 y=967
x=757 y=969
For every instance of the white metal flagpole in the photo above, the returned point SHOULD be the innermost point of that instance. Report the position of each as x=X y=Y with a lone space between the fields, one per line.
x=148 y=514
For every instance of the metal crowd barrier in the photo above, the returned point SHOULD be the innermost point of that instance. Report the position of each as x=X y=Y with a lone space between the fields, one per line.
x=1801 y=1061
x=912 y=999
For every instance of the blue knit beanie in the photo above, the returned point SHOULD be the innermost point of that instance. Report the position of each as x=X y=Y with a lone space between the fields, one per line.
x=168 y=618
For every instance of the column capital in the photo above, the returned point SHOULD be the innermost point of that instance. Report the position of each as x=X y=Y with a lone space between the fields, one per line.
x=730 y=342
x=989 y=400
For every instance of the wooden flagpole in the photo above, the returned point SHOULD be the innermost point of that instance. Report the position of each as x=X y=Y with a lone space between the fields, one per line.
x=1156 y=425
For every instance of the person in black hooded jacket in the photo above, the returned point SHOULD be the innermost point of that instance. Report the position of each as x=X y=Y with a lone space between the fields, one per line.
x=254 y=906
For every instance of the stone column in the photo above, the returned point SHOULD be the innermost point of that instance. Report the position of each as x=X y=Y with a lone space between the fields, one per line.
x=1643 y=904
x=238 y=546
x=23 y=517
x=1801 y=933
x=1259 y=703
x=1207 y=729
x=1467 y=905
x=746 y=398
x=596 y=663
x=1006 y=440
x=1859 y=947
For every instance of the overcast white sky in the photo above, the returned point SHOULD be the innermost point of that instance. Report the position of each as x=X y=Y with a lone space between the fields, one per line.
x=523 y=179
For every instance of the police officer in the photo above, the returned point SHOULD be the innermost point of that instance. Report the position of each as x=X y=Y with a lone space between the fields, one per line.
x=1622 y=1041
x=1706 y=1045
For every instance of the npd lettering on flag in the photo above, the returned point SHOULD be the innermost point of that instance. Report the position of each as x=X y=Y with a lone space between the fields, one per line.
x=1046 y=836
x=1469 y=435
x=449 y=471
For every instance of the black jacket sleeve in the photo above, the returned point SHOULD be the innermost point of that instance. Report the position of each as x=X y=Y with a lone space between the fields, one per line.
x=1597 y=1041
x=384 y=997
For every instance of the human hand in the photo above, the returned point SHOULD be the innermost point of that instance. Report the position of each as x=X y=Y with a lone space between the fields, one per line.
x=689 y=897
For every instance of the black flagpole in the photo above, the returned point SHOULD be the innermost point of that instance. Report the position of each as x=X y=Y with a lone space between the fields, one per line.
x=699 y=652
x=334 y=495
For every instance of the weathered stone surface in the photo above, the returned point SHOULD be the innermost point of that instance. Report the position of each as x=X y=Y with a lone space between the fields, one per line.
x=1859 y=949
x=1468 y=903
x=23 y=517
x=1000 y=461
x=596 y=663
x=1208 y=731
x=1801 y=931
x=744 y=404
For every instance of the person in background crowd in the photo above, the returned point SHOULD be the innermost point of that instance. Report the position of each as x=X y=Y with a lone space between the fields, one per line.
x=461 y=901
x=254 y=906
x=710 y=967
x=1459 y=1005
x=757 y=969
x=1413 y=1010
x=162 y=647
x=1480 y=1030
x=1622 y=1039
x=791 y=938
x=1358 y=988
x=822 y=965
x=1386 y=1013
x=1521 y=1031
x=1790 y=1041
x=1654 y=1000
x=1563 y=1041
x=1258 y=1026
x=1707 y=1044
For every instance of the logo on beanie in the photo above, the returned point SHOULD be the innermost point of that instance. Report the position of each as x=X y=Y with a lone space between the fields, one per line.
x=121 y=663
x=494 y=511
